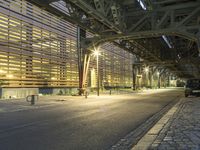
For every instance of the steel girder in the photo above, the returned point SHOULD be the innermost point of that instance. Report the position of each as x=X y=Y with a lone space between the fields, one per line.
x=114 y=22
x=159 y=22
x=105 y=18
x=180 y=20
x=107 y=13
x=126 y=22
x=96 y=16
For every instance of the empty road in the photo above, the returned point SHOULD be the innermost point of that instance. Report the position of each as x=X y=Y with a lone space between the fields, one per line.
x=76 y=123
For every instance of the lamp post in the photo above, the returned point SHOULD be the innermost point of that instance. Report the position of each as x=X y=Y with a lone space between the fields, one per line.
x=146 y=69
x=158 y=73
x=96 y=53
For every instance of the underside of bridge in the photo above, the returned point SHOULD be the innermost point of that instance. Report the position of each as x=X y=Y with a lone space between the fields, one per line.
x=164 y=33
x=41 y=42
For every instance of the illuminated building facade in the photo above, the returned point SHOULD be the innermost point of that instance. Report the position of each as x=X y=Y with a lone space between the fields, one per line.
x=38 y=51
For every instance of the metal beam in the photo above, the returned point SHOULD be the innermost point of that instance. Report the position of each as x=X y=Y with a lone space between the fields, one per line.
x=186 y=19
x=163 y=19
x=138 y=23
x=139 y=35
x=92 y=12
x=103 y=18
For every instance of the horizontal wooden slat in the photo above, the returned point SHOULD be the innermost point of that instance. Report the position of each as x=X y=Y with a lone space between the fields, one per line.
x=36 y=47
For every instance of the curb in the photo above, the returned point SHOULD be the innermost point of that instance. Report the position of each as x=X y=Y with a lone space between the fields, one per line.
x=162 y=125
x=133 y=137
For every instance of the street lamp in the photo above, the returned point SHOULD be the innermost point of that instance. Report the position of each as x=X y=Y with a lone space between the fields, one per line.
x=97 y=53
x=158 y=73
x=146 y=69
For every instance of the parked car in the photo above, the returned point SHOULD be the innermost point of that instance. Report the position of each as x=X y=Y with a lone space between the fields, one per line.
x=192 y=87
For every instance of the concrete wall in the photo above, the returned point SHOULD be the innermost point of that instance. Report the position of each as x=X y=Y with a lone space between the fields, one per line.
x=7 y=93
x=65 y=91
x=11 y=93
x=58 y=91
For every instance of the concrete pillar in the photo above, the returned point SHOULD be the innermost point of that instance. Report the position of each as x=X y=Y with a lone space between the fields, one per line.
x=146 y=76
x=159 y=81
x=151 y=77
x=136 y=77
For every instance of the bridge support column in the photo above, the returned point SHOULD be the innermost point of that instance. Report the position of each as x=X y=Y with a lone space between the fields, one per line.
x=135 y=77
x=159 y=76
x=153 y=70
x=83 y=61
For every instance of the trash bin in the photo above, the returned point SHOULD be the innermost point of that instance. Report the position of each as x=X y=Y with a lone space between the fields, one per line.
x=32 y=99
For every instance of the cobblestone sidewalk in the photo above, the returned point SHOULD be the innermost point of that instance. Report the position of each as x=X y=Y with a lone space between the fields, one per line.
x=177 y=130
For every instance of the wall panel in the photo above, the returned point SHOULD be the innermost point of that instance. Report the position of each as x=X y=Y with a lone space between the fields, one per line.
x=37 y=49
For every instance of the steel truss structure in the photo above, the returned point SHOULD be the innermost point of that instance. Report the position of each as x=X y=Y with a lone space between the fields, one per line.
x=127 y=22
x=162 y=32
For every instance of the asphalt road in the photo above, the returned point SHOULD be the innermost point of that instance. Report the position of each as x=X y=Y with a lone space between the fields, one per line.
x=92 y=124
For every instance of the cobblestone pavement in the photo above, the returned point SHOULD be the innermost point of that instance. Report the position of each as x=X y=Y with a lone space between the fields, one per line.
x=179 y=129
x=184 y=131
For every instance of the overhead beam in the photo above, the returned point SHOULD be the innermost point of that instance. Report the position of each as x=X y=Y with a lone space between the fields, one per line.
x=46 y=6
x=166 y=1
x=186 y=19
x=139 y=35
x=92 y=12
x=142 y=20
x=164 y=19
x=188 y=5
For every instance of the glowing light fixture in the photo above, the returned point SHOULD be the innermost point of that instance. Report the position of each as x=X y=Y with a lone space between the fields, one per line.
x=97 y=53
x=146 y=69
x=9 y=76
x=2 y=71
x=166 y=41
x=142 y=4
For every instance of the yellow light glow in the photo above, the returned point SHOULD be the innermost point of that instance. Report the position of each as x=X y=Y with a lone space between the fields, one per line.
x=96 y=52
x=2 y=71
x=139 y=76
x=146 y=69
x=53 y=78
x=9 y=76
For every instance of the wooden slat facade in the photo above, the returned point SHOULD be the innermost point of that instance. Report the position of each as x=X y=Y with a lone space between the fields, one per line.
x=37 y=49
x=115 y=66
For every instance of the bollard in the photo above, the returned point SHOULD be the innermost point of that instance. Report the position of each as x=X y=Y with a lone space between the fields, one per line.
x=110 y=92
x=86 y=94
x=32 y=99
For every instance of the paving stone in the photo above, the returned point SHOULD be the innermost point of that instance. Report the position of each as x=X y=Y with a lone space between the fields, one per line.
x=182 y=130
